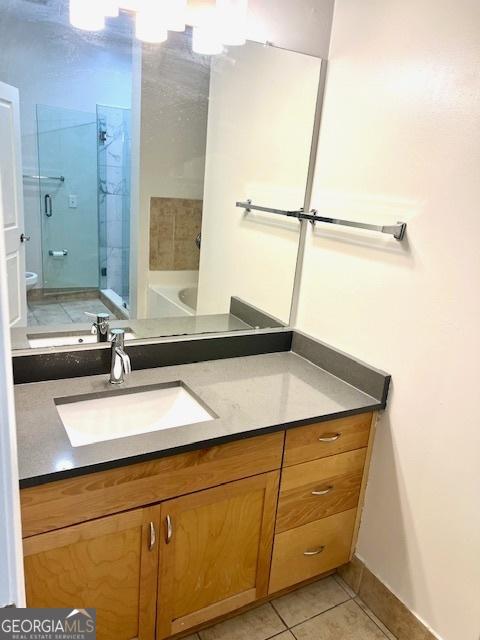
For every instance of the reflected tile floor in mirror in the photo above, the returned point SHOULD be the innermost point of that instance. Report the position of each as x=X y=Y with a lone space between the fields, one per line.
x=324 y=610
x=68 y=309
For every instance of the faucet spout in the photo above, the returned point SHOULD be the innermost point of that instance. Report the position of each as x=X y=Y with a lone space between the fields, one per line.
x=120 y=364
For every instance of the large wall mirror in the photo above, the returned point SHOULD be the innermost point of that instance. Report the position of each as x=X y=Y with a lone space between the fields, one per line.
x=133 y=157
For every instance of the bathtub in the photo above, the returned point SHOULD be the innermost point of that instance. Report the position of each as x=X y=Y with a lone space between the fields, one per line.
x=168 y=301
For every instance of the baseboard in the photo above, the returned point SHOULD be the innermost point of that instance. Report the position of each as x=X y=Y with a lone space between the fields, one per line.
x=391 y=611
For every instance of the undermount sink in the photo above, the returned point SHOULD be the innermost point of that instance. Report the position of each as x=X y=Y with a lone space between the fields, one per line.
x=67 y=338
x=117 y=414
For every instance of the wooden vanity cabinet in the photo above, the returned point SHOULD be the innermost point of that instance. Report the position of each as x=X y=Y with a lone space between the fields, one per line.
x=215 y=551
x=161 y=547
x=109 y=564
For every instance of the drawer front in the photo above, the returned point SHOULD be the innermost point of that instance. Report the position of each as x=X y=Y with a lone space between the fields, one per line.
x=49 y=506
x=320 y=488
x=326 y=438
x=314 y=548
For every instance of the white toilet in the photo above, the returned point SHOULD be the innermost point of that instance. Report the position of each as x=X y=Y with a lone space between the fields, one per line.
x=31 y=279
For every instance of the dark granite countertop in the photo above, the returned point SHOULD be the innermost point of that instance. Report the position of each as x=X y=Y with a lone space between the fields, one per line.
x=250 y=395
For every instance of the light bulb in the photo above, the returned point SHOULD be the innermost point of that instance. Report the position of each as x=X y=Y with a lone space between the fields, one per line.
x=206 y=40
x=110 y=8
x=129 y=5
x=87 y=15
x=232 y=18
x=173 y=14
x=147 y=26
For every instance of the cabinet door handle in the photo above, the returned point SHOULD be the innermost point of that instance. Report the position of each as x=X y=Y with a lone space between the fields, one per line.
x=153 y=537
x=322 y=492
x=329 y=437
x=314 y=552
x=169 y=529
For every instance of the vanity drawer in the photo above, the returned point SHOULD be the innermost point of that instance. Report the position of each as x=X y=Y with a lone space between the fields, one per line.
x=314 y=548
x=319 y=488
x=326 y=438
x=65 y=502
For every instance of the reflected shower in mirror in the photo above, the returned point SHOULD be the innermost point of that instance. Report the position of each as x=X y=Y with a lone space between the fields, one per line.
x=133 y=158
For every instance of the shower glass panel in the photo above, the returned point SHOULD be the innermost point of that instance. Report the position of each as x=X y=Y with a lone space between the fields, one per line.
x=114 y=161
x=68 y=208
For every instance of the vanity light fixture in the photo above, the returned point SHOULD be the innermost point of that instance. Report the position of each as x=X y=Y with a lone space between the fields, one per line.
x=147 y=26
x=215 y=22
x=87 y=15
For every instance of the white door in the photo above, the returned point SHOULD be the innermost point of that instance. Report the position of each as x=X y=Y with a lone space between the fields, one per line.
x=11 y=203
x=12 y=589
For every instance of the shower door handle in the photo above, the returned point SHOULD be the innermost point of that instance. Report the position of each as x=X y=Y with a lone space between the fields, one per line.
x=48 y=205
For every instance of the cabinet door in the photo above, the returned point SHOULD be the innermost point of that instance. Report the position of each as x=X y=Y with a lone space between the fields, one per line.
x=215 y=552
x=110 y=564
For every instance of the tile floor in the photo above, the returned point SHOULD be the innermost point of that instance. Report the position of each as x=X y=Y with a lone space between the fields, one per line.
x=323 y=610
x=66 y=310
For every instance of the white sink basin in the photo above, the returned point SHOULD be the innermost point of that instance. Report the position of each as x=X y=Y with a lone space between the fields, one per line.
x=67 y=338
x=95 y=418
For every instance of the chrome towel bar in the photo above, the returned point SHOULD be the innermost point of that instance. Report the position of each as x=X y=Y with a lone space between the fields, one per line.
x=28 y=177
x=396 y=230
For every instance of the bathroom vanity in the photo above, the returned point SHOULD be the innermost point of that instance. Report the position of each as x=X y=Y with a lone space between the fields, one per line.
x=166 y=531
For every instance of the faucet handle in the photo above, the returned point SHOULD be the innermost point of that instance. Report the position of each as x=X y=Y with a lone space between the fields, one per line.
x=100 y=326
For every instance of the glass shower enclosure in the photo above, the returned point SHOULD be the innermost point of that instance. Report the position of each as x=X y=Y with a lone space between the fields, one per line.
x=85 y=202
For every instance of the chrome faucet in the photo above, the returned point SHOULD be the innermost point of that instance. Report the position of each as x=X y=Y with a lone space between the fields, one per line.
x=120 y=360
x=100 y=327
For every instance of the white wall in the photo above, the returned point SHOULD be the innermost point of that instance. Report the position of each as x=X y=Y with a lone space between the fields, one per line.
x=400 y=141
x=299 y=25
x=56 y=65
x=172 y=128
x=258 y=146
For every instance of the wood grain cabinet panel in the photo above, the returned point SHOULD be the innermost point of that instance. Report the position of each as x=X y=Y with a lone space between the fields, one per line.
x=66 y=502
x=215 y=552
x=326 y=438
x=108 y=564
x=314 y=548
x=319 y=488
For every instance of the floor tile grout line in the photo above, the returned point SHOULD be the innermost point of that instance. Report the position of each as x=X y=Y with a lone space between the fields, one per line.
x=278 y=614
x=317 y=615
x=341 y=583
x=367 y=612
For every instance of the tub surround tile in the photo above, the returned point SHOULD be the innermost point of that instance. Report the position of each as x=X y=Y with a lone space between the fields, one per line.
x=174 y=226
x=258 y=624
x=345 y=622
x=309 y=601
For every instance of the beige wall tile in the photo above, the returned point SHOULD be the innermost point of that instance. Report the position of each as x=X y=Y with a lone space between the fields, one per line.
x=389 y=609
x=174 y=226
x=351 y=573
x=309 y=601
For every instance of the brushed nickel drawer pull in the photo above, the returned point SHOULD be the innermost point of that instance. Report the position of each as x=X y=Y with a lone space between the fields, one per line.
x=169 y=527
x=314 y=552
x=330 y=437
x=153 y=537
x=322 y=492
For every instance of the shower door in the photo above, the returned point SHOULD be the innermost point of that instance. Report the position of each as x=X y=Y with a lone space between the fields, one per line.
x=114 y=161
x=67 y=157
